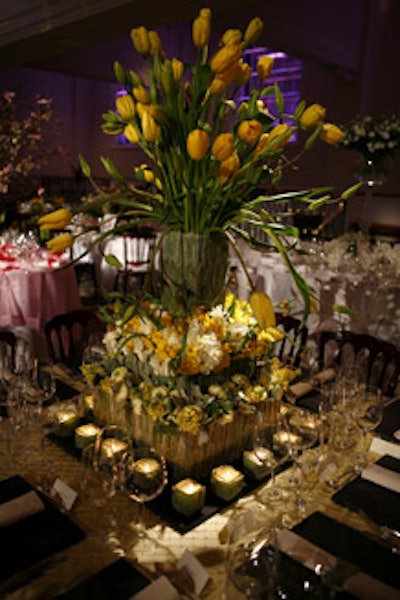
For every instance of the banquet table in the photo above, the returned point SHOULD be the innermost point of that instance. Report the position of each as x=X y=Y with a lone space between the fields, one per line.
x=33 y=292
x=72 y=567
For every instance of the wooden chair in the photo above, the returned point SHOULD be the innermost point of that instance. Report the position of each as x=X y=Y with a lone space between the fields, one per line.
x=138 y=250
x=67 y=335
x=8 y=349
x=290 y=349
x=379 y=359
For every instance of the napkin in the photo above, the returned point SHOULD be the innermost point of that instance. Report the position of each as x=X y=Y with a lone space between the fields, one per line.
x=355 y=553
x=159 y=588
x=384 y=477
x=378 y=502
x=391 y=422
x=20 y=508
x=351 y=579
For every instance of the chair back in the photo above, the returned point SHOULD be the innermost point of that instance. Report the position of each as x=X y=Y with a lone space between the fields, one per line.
x=68 y=333
x=291 y=348
x=8 y=349
x=138 y=251
x=378 y=359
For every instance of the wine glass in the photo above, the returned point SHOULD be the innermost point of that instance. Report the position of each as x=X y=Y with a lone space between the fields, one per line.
x=251 y=557
x=368 y=414
x=145 y=476
x=271 y=450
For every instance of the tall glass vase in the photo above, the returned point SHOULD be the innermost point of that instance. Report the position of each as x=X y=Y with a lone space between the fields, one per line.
x=372 y=170
x=194 y=269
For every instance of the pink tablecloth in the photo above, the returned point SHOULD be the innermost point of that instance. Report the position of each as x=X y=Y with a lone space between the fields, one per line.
x=31 y=297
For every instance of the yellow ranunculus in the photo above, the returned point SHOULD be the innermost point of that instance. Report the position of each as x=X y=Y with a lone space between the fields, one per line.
x=331 y=134
x=265 y=64
x=231 y=36
x=141 y=94
x=126 y=106
x=314 y=114
x=280 y=132
x=132 y=134
x=224 y=58
x=253 y=31
x=141 y=40
x=229 y=167
x=249 y=131
x=60 y=242
x=58 y=219
x=222 y=147
x=151 y=131
x=197 y=144
x=201 y=28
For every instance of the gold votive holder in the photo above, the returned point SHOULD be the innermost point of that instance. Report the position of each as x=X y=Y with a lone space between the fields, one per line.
x=66 y=420
x=253 y=464
x=112 y=448
x=188 y=496
x=85 y=435
x=226 y=482
x=147 y=473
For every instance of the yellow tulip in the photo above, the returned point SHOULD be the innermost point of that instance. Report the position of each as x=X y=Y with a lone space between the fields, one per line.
x=132 y=134
x=261 y=144
x=249 y=131
x=177 y=69
x=125 y=106
x=58 y=219
x=197 y=144
x=224 y=58
x=222 y=147
x=60 y=242
x=331 y=134
x=243 y=73
x=151 y=131
x=201 y=28
x=218 y=85
x=263 y=309
x=280 y=132
x=155 y=43
x=141 y=40
x=314 y=114
x=228 y=168
x=141 y=94
x=265 y=64
x=231 y=36
x=253 y=31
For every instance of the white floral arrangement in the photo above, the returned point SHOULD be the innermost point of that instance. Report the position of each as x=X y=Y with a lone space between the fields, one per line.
x=186 y=372
x=372 y=136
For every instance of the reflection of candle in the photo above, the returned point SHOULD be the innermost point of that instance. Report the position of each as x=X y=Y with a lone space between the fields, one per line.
x=88 y=403
x=253 y=463
x=285 y=438
x=188 y=496
x=112 y=448
x=66 y=421
x=85 y=435
x=226 y=482
x=146 y=473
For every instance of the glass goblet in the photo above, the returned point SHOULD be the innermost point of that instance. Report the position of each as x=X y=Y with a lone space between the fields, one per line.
x=272 y=453
x=145 y=477
x=368 y=414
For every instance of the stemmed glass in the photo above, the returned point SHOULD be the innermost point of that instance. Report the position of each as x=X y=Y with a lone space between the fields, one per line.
x=251 y=558
x=145 y=476
x=271 y=450
x=368 y=414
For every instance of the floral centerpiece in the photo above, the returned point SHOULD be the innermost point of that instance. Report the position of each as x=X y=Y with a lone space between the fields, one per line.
x=374 y=138
x=194 y=361
x=203 y=376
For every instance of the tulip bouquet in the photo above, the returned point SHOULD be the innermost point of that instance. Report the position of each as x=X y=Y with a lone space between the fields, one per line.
x=212 y=164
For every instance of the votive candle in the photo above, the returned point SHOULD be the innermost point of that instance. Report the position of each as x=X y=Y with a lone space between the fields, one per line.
x=226 y=482
x=188 y=496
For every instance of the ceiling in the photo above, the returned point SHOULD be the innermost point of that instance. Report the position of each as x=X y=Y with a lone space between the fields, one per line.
x=86 y=45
